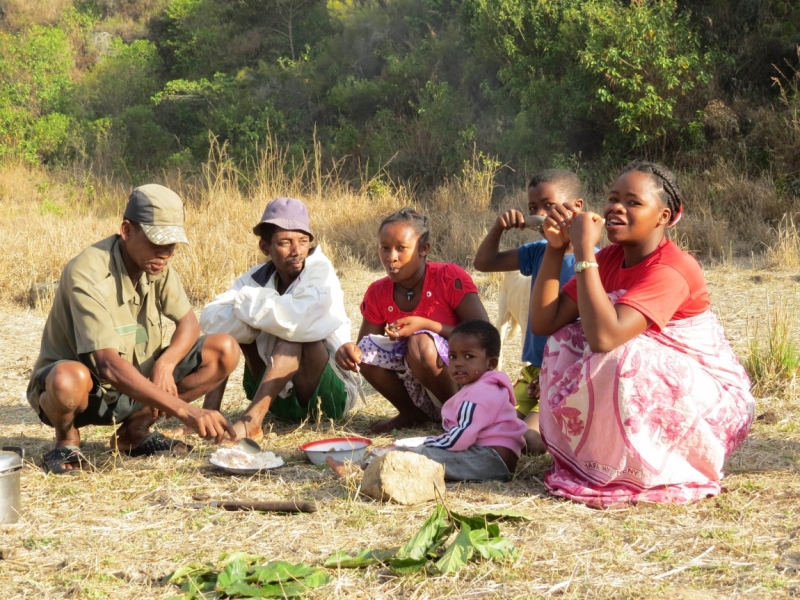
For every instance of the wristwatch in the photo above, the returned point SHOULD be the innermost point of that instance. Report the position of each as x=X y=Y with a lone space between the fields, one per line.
x=582 y=265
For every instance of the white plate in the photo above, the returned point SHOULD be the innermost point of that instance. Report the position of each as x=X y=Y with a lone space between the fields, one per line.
x=241 y=471
x=411 y=442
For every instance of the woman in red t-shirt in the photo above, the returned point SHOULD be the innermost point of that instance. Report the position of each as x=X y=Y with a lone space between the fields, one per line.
x=642 y=398
x=407 y=319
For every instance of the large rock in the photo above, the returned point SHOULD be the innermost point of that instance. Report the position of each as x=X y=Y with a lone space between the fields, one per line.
x=403 y=477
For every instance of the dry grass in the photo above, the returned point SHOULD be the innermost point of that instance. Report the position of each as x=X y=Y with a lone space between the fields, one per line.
x=785 y=252
x=22 y=14
x=47 y=218
x=773 y=358
x=117 y=532
x=727 y=212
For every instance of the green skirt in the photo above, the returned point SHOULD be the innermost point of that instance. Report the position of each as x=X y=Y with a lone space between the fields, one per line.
x=330 y=396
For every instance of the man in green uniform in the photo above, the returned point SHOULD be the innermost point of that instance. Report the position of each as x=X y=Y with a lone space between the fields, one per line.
x=101 y=360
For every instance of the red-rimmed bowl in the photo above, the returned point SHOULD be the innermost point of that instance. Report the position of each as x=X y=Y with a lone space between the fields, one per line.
x=351 y=448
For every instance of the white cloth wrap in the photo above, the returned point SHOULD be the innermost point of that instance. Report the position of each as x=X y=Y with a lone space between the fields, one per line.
x=311 y=309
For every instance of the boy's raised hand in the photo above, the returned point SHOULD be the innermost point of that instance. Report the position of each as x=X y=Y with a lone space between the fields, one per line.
x=511 y=219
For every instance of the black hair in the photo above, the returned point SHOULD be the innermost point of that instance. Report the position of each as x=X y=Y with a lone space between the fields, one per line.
x=419 y=222
x=566 y=181
x=670 y=192
x=487 y=334
x=267 y=230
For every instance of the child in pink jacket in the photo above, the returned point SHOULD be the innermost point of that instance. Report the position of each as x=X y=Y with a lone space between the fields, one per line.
x=483 y=436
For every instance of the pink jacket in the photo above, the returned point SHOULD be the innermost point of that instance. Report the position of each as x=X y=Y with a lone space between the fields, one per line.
x=483 y=414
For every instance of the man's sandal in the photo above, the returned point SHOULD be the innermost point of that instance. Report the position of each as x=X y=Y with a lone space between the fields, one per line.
x=54 y=460
x=156 y=443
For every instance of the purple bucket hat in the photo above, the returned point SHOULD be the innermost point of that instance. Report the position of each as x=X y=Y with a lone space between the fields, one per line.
x=286 y=213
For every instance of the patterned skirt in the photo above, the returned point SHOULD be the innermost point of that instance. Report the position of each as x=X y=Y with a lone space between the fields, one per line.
x=382 y=351
x=652 y=420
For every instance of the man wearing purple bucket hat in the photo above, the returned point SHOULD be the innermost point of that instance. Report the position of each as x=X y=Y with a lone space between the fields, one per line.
x=289 y=319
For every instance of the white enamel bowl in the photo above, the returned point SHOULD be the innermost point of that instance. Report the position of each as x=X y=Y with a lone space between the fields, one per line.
x=350 y=448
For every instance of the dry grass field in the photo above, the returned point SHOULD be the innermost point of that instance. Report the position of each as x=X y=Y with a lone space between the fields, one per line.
x=117 y=532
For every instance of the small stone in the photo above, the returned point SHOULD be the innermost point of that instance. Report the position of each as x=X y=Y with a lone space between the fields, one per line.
x=41 y=292
x=5 y=553
x=769 y=418
x=403 y=477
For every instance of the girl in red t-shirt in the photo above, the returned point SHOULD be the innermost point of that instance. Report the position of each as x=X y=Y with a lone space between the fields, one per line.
x=643 y=398
x=407 y=318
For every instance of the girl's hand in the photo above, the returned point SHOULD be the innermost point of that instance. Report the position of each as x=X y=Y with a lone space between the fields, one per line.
x=511 y=219
x=556 y=226
x=403 y=328
x=586 y=229
x=348 y=356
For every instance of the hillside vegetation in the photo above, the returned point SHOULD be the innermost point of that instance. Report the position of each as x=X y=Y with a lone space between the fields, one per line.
x=408 y=92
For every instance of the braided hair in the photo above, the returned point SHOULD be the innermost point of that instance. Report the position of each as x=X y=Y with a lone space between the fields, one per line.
x=669 y=193
x=419 y=222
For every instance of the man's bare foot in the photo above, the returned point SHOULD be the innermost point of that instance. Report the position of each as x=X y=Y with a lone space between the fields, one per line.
x=178 y=432
x=343 y=470
x=534 y=443
x=337 y=467
x=401 y=421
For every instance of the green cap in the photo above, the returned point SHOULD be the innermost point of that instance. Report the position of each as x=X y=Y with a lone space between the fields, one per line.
x=159 y=211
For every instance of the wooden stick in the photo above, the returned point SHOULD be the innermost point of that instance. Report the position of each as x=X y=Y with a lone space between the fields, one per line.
x=271 y=506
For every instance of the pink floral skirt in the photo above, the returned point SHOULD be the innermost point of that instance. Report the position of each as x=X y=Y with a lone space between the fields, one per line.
x=653 y=420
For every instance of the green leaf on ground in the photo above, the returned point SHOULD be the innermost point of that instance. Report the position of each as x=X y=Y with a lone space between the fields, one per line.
x=408 y=565
x=240 y=589
x=248 y=558
x=234 y=571
x=195 y=569
x=291 y=589
x=501 y=514
x=316 y=579
x=284 y=590
x=197 y=586
x=441 y=538
x=431 y=534
x=458 y=553
x=363 y=558
x=477 y=522
x=278 y=571
x=491 y=547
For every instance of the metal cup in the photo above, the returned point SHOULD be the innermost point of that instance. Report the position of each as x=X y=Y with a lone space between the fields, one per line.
x=10 y=468
x=535 y=222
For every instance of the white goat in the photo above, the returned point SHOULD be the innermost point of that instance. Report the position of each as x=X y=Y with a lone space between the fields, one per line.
x=512 y=306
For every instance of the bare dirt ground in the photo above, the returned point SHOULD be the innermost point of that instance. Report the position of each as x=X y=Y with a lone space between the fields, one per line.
x=117 y=532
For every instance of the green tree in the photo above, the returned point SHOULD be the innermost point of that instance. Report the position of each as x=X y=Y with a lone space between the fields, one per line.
x=650 y=61
x=34 y=81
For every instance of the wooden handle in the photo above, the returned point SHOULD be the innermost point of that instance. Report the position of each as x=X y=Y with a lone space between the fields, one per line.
x=274 y=506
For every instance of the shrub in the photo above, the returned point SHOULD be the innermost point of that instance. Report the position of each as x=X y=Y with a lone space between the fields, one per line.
x=34 y=78
x=649 y=59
